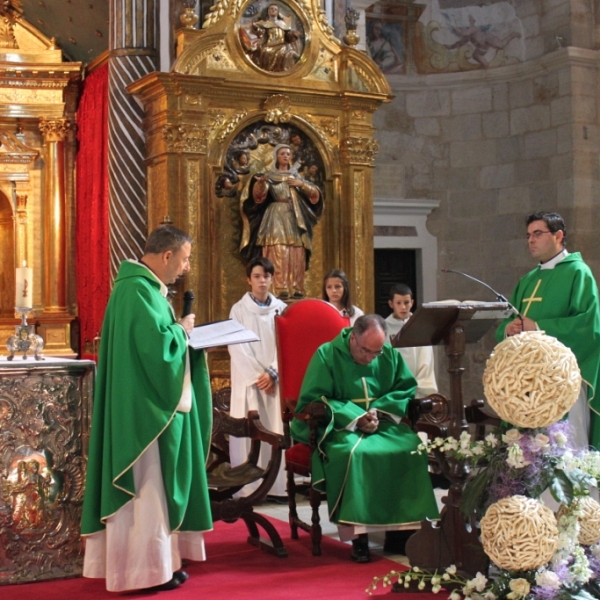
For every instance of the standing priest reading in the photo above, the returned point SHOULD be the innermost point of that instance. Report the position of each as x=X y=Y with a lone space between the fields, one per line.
x=146 y=499
x=560 y=297
x=364 y=461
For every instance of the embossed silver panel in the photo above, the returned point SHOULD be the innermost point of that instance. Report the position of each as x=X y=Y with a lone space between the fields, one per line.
x=44 y=425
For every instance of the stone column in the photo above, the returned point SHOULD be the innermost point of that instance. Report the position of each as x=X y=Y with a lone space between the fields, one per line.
x=54 y=294
x=132 y=55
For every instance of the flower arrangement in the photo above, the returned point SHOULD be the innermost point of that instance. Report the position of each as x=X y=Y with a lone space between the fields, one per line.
x=513 y=462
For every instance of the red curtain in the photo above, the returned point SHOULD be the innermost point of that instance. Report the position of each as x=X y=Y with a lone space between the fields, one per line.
x=91 y=238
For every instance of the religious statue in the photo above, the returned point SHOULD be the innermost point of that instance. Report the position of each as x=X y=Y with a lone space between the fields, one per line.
x=279 y=211
x=271 y=41
x=382 y=50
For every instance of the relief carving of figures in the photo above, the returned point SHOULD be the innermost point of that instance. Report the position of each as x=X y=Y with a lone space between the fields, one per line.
x=275 y=174
x=273 y=39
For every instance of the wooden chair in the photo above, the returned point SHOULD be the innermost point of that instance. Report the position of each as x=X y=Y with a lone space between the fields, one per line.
x=224 y=481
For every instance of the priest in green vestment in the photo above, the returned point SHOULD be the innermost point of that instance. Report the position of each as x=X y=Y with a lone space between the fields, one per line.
x=146 y=498
x=560 y=297
x=365 y=462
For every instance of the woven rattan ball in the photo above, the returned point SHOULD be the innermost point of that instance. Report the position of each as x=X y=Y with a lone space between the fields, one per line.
x=589 y=520
x=519 y=533
x=531 y=379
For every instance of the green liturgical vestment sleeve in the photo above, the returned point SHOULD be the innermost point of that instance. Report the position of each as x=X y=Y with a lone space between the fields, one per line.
x=369 y=479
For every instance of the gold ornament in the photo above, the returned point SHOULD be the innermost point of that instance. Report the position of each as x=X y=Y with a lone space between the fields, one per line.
x=531 y=379
x=519 y=533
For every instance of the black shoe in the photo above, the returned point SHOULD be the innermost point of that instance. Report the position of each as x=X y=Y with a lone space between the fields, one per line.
x=163 y=587
x=278 y=499
x=360 y=549
x=395 y=541
x=181 y=576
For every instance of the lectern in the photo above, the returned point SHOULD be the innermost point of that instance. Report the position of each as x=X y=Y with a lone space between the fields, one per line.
x=453 y=540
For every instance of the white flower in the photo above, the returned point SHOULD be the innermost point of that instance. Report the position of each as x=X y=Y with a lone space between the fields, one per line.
x=541 y=441
x=435 y=580
x=595 y=550
x=515 y=456
x=451 y=570
x=548 y=579
x=436 y=588
x=479 y=582
x=520 y=588
x=477 y=450
x=416 y=569
x=492 y=440
x=511 y=436
x=454 y=595
x=421 y=585
x=445 y=576
x=560 y=439
x=490 y=596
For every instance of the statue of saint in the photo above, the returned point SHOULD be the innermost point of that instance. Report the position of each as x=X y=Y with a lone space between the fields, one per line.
x=279 y=212
x=271 y=42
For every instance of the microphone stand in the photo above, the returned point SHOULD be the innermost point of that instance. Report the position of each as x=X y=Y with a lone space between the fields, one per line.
x=498 y=295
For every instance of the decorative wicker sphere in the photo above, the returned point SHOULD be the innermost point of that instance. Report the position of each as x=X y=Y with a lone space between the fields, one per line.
x=519 y=533
x=589 y=520
x=531 y=379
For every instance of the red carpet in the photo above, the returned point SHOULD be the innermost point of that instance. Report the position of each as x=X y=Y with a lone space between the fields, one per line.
x=236 y=570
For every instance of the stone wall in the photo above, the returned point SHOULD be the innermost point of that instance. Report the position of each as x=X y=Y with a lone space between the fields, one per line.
x=492 y=145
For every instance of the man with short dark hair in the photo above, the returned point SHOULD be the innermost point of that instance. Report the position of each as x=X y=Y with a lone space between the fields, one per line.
x=146 y=498
x=365 y=461
x=560 y=297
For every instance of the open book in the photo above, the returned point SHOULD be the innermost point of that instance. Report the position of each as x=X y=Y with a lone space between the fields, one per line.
x=220 y=333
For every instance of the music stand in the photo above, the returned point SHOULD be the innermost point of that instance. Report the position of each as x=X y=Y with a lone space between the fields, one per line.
x=454 y=325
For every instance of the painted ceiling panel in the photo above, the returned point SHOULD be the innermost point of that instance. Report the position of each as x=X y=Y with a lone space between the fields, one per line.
x=79 y=26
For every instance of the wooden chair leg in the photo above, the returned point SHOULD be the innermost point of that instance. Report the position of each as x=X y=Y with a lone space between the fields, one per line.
x=275 y=545
x=315 y=530
x=293 y=514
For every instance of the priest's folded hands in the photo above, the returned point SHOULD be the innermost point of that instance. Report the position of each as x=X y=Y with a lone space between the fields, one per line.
x=369 y=422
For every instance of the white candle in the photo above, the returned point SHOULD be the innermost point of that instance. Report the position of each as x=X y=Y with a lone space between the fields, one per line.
x=24 y=291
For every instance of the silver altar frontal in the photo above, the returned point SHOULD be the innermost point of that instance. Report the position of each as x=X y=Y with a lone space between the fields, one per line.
x=44 y=431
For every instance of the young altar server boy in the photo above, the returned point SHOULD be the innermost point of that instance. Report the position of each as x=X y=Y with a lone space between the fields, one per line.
x=419 y=359
x=254 y=380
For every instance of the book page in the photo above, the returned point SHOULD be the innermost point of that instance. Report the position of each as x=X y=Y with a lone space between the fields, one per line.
x=221 y=333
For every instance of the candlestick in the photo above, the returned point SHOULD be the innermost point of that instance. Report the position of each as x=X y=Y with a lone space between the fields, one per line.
x=24 y=287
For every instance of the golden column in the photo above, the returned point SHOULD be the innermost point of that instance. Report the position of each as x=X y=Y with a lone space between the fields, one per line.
x=54 y=218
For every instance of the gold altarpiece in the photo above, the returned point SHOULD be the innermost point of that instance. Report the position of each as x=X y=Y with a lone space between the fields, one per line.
x=38 y=94
x=232 y=92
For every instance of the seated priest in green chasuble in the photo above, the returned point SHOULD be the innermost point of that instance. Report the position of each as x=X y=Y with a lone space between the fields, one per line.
x=560 y=297
x=365 y=461
x=146 y=498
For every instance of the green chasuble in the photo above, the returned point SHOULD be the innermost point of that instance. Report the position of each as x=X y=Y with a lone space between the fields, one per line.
x=139 y=383
x=369 y=479
x=563 y=301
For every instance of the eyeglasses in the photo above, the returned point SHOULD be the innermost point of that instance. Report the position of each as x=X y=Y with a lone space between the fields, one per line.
x=368 y=352
x=537 y=234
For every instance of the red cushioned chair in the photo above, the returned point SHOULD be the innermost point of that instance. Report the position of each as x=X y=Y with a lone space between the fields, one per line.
x=300 y=330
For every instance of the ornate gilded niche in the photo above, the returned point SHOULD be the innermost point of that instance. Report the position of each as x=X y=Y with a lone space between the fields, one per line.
x=257 y=75
x=38 y=93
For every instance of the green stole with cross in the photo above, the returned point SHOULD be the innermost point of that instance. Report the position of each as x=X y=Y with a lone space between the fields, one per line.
x=563 y=301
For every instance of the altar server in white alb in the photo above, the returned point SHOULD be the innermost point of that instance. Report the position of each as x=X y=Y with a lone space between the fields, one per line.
x=420 y=359
x=254 y=378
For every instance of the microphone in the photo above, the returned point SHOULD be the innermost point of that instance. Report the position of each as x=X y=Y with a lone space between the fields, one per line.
x=498 y=295
x=188 y=300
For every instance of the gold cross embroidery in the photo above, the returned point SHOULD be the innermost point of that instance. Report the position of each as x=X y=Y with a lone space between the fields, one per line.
x=532 y=298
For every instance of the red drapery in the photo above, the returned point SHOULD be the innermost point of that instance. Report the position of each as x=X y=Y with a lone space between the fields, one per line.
x=91 y=216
